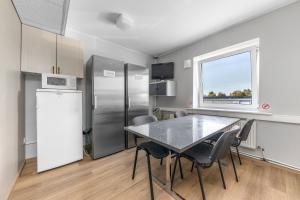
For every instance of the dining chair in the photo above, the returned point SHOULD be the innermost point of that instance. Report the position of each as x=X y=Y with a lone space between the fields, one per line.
x=210 y=140
x=243 y=136
x=205 y=154
x=155 y=150
x=180 y=113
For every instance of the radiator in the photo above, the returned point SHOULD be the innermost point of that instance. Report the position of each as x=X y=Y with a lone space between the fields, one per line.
x=251 y=141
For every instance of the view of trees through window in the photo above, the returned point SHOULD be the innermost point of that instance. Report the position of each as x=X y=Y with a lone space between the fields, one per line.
x=227 y=80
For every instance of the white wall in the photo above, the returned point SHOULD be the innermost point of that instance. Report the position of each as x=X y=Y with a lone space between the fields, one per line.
x=91 y=46
x=11 y=133
x=96 y=46
x=279 y=34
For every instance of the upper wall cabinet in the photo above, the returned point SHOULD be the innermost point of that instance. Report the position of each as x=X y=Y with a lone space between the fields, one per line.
x=38 y=50
x=69 y=56
x=50 y=15
x=45 y=52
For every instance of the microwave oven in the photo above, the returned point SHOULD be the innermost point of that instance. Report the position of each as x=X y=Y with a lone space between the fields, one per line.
x=57 y=81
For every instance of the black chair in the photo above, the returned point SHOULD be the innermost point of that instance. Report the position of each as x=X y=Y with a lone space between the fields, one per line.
x=215 y=137
x=180 y=113
x=151 y=148
x=243 y=136
x=139 y=121
x=205 y=154
x=210 y=140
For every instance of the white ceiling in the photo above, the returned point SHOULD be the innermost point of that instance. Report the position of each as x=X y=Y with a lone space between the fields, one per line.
x=163 y=25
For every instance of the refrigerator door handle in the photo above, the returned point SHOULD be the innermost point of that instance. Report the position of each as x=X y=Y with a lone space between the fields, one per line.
x=95 y=102
x=129 y=102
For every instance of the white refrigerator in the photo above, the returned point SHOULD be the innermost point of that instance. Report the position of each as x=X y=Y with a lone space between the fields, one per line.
x=59 y=127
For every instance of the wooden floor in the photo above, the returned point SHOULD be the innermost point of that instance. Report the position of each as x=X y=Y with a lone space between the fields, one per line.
x=110 y=178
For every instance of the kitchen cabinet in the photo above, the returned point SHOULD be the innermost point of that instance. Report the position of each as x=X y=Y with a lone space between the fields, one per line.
x=69 y=56
x=45 y=52
x=38 y=50
x=162 y=88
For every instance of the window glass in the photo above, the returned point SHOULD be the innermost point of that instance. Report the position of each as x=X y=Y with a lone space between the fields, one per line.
x=227 y=80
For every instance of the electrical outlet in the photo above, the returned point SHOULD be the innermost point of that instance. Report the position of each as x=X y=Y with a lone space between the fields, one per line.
x=260 y=148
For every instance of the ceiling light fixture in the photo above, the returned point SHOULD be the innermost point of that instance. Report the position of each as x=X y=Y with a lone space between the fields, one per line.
x=124 y=22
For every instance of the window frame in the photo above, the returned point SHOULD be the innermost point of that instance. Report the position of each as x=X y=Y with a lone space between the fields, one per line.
x=251 y=46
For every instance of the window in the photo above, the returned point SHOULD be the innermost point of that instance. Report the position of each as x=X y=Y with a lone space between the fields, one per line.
x=227 y=78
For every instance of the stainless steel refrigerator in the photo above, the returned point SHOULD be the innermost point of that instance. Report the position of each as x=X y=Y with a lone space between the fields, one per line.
x=115 y=93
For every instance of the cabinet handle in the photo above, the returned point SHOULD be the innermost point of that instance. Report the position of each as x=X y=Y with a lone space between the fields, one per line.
x=58 y=70
x=53 y=72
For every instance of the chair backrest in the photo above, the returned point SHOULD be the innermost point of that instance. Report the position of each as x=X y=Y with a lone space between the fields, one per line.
x=143 y=119
x=222 y=146
x=180 y=113
x=246 y=130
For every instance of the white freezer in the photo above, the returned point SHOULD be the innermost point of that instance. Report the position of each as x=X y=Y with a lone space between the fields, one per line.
x=59 y=127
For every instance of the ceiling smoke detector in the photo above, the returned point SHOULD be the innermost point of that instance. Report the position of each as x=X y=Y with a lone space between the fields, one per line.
x=124 y=22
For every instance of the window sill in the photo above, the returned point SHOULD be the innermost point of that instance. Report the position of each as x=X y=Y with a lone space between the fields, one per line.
x=255 y=112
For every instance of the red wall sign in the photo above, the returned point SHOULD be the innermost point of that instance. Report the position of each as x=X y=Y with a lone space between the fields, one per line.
x=265 y=106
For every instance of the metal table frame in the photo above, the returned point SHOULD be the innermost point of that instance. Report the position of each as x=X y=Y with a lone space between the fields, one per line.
x=167 y=185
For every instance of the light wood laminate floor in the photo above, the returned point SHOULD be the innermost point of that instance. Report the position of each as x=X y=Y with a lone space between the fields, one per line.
x=109 y=178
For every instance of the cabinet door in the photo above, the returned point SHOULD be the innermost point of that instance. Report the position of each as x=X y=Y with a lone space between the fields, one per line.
x=153 y=89
x=162 y=88
x=38 y=50
x=69 y=56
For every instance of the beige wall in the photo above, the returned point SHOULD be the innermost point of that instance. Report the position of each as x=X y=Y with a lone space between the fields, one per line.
x=11 y=134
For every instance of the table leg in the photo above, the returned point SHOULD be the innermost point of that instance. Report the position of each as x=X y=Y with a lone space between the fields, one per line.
x=168 y=166
x=167 y=185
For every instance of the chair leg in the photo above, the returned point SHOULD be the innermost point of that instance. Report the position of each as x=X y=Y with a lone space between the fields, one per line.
x=150 y=177
x=222 y=176
x=238 y=153
x=236 y=176
x=180 y=167
x=201 y=182
x=192 y=167
x=161 y=161
x=135 y=160
x=173 y=173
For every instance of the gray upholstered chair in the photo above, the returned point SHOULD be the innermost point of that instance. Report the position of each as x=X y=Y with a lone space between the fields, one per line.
x=205 y=154
x=151 y=148
x=243 y=136
x=180 y=113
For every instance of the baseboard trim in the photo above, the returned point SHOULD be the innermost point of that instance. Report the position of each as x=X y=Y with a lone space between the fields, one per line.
x=273 y=162
x=15 y=180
